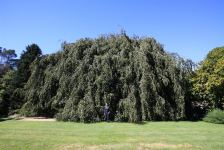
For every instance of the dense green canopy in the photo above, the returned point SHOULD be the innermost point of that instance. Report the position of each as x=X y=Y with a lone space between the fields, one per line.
x=208 y=83
x=14 y=74
x=135 y=76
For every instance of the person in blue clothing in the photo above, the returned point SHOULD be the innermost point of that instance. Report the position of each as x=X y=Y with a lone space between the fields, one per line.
x=106 y=112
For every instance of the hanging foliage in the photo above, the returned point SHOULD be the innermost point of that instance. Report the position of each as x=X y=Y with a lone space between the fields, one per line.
x=134 y=76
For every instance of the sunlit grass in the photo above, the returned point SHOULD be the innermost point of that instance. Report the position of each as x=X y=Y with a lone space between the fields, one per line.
x=35 y=135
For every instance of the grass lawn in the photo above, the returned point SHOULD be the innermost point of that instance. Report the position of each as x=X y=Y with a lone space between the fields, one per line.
x=34 y=135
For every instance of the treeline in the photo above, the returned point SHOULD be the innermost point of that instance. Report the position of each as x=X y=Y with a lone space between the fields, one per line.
x=14 y=74
x=135 y=76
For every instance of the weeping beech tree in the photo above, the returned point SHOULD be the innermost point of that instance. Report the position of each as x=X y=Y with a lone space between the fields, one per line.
x=135 y=76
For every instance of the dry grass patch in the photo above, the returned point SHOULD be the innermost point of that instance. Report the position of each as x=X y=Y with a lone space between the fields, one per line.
x=140 y=146
x=22 y=118
x=164 y=145
x=37 y=119
x=93 y=147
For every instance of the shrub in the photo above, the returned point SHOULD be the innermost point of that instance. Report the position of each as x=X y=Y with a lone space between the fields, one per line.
x=215 y=116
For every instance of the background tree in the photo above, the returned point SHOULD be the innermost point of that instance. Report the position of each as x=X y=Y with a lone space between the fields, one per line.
x=208 y=83
x=7 y=60
x=27 y=57
x=15 y=77
x=7 y=87
x=7 y=79
x=7 y=55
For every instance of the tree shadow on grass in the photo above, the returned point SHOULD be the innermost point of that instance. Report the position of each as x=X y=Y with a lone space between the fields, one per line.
x=5 y=119
x=140 y=123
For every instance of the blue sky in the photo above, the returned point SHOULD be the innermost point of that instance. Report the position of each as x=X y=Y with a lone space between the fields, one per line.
x=189 y=27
